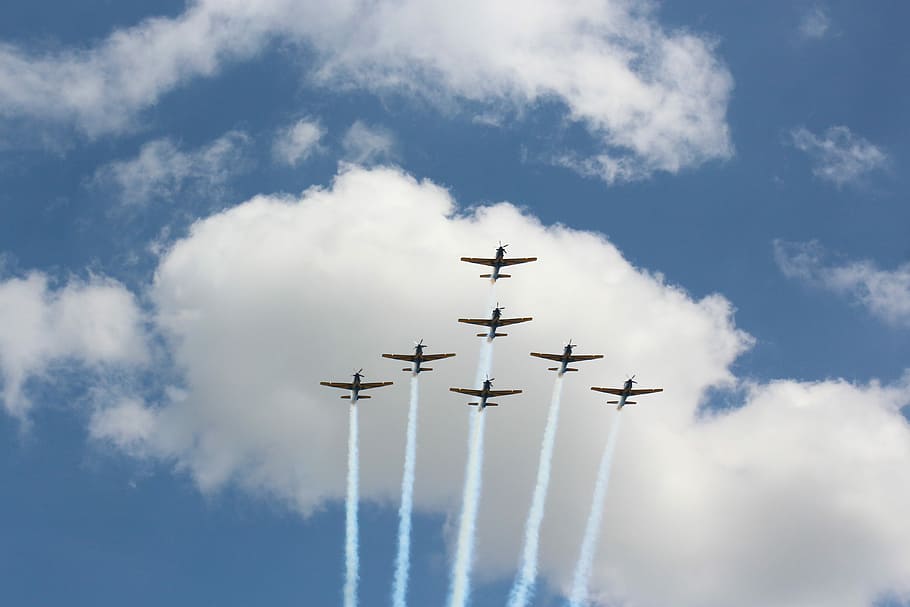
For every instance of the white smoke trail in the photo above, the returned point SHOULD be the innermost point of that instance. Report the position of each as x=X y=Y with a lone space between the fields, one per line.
x=464 y=553
x=592 y=529
x=523 y=589
x=351 y=558
x=403 y=559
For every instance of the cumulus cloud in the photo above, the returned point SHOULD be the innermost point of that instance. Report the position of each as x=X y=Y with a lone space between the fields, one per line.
x=365 y=144
x=839 y=156
x=297 y=142
x=655 y=98
x=885 y=293
x=95 y=322
x=796 y=497
x=163 y=170
x=815 y=23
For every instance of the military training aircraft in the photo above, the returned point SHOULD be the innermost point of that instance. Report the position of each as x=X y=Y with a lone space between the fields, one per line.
x=625 y=392
x=418 y=358
x=566 y=357
x=355 y=387
x=498 y=262
x=494 y=322
x=485 y=393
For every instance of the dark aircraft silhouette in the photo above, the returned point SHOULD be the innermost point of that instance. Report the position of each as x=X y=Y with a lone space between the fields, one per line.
x=498 y=262
x=418 y=358
x=355 y=386
x=566 y=357
x=625 y=392
x=494 y=322
x=485 y=393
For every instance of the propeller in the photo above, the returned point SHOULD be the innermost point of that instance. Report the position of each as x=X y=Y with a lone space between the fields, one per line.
x=359 y=372
x=503 y=246
x=499 y=307
x=632 y=379
x=419 y=343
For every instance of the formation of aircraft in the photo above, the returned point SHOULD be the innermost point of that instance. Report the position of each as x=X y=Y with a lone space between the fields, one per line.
x=494 y=322
x=566 y=357
x=355 y=386
x=498 y=262
x=418 y=358
x=484 y=393
x=625 y=392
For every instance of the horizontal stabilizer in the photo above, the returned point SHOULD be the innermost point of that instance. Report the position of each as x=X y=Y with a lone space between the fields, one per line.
x=486 y=276
x=500 y=334
x=616 y=402
x=473 y=404
x=362 y=396
x=410 y=369
x=426 y=368
x=505 y=276
x=552 y=368
x=346 y=396
x=492 y=405
x=571 y=369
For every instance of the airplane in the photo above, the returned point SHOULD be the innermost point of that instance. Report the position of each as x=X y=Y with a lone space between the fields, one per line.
x=494 y=322
x=498 y=262
x=355 y=387
x=418 y=357
x=485 y=393
x=625 y=392
x=566 y=357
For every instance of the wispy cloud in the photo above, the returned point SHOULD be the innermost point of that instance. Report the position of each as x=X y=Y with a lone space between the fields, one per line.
x=297 y=142
x=885 y=293
x=163 y=170
x=655 y=97
x=838 y=155
x=93 y=323
x=815 y=23
x=368 y=144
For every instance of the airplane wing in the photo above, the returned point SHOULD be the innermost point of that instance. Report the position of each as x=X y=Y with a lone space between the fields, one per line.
x=556 y=357
x=375 y=384
x=575 y=359
x=478 y=321
x=516 y=260
x=437 y=356
x=408 y=357
x=337 y=384
x=493 y=393
x=481 y=261
x=511 y=321
x=616 y=391
x=645 y=391
x=467 y=391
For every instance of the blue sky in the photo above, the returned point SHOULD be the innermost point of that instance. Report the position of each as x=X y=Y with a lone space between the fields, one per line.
x=783 y=192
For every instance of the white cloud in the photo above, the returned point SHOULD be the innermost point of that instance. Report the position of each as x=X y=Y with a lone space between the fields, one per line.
x=297 y=142
x=94 y=323
x=654 y=97
x=815 y=23
x=798 y=497
x=839 y=156
x=162 y=170
x=365 y=144
x=885 y=293
x=128 y=425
